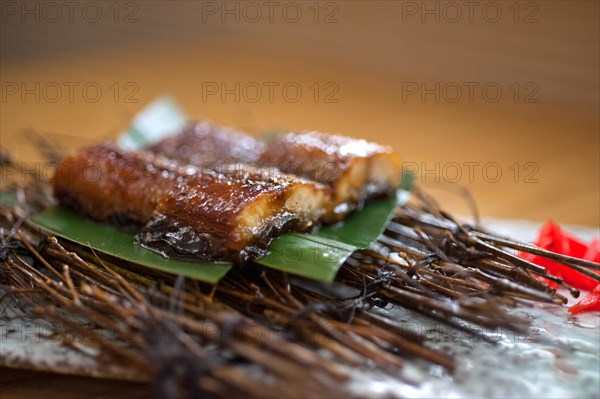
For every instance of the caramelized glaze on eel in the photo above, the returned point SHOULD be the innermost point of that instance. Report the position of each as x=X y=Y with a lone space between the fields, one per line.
x=353 y=170
x=187 y=211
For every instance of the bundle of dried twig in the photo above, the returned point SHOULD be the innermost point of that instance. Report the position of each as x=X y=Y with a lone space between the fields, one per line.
x=260 y=332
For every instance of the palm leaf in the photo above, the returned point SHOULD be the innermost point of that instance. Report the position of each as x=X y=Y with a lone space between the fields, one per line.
x=319 y=256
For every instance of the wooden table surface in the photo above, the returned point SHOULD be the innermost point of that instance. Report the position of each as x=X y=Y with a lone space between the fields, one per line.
x=507 y=107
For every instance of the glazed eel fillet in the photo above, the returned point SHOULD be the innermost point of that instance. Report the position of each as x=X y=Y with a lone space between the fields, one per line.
x=186 y=211
x=353 y=170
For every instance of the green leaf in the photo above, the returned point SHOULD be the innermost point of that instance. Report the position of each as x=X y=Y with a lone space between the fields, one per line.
x=307 y=255
x=8 y=198
x=319 y=256
x=316 y=256
x=362 y=228
x=67 y=224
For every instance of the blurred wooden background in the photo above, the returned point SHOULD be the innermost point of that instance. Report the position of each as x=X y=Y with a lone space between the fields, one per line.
x=532 y=151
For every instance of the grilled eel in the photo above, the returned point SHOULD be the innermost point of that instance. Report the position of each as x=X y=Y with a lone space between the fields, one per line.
x=354 y=170
x=185 y=211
